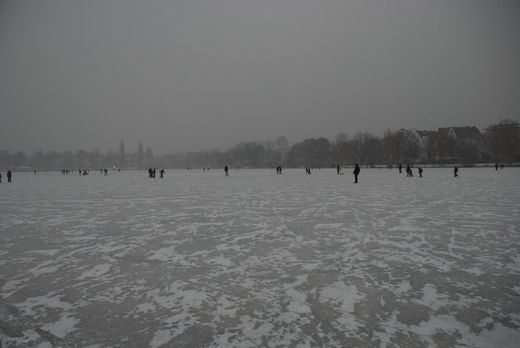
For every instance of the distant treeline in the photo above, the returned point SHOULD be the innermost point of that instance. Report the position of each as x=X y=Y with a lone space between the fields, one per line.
x=499 y=143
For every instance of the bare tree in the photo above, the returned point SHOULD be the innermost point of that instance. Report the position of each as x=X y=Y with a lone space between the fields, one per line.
x=281 y=142
x=393 y=145
x=504 y=140
x=341 y=138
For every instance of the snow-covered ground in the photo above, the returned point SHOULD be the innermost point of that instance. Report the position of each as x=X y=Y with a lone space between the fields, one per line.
x=255 y=259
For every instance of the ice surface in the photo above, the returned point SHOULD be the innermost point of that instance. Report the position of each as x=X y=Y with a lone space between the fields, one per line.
x=198 y=259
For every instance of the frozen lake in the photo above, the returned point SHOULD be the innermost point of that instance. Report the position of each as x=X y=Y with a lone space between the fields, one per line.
x=257 y=259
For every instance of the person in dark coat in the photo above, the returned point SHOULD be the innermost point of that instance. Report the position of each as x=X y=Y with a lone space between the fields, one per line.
x=455 y=171
x=9 y=176
x=226 y=170
x=409 y=172
x=356 y=173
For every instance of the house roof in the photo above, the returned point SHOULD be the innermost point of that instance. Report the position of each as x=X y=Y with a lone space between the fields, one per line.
x=463 y=132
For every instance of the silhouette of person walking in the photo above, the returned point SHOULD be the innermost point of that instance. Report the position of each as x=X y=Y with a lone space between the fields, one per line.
x=338 y=169
x=226 y=170
x=400 y=168
x=356 y=173
x=409 y=172
x=455 y=171
x=420 y=172
x=9 y=176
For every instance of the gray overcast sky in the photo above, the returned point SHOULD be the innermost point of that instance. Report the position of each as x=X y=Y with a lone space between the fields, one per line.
x=194 y=74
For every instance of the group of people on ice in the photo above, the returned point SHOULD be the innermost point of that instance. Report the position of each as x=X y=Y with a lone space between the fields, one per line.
x=9 y=176
x=226 y=170
x=153 y=172
x=80 y=171
x=501 y=166
x=356 y=171
x=409 y=170
x=308 y=171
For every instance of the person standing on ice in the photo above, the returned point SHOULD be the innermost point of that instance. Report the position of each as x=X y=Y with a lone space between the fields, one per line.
x=356 y=173
x=9 y=176
x=420 y=172
x=226 y=170
x=409 y=172
x=338 y=169
x=400 y=168
x=455 y=171
x=0 y=178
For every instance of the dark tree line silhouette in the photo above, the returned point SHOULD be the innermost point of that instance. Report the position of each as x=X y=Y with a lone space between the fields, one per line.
x=499 y=143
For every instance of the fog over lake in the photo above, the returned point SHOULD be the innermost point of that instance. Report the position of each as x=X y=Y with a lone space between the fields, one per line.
x=193 y=75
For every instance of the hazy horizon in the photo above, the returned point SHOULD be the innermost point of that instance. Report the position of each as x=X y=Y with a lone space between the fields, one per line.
x=196 y=75
x=133 y=147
